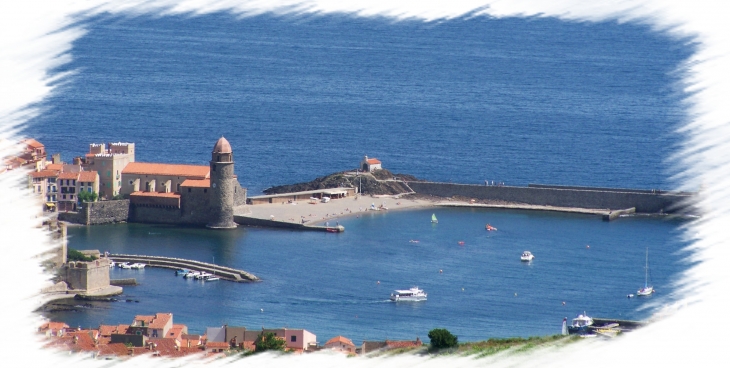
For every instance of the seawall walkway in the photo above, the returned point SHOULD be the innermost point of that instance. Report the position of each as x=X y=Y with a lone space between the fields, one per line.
x=225 y=273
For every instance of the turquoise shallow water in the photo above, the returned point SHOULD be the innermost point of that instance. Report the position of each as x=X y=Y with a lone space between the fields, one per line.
x=328 y=283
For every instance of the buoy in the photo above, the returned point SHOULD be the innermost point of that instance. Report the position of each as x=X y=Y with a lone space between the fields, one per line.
x=378 y=282
x=588 y=246
x=563 y=303
x=461 y=243
x=441 y=271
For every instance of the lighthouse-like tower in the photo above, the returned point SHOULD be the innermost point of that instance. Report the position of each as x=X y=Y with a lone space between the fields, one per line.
x=222 y=186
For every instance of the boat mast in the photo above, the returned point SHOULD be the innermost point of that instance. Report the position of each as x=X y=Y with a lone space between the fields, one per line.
x=646 y=269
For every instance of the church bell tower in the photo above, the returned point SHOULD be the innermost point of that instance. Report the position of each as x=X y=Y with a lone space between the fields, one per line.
x=222 y=186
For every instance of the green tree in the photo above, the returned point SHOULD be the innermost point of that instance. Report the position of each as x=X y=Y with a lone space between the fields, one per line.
x=87 y=196
x=441 y=338
x=269 y=341
x=75 y=255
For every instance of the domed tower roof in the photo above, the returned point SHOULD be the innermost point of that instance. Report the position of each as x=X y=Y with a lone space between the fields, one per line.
x=222 y=146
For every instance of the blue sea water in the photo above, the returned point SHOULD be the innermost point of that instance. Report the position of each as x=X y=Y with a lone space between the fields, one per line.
x=512 y=100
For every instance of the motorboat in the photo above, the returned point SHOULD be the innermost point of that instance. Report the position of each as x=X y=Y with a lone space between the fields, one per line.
x=211 y=278
x=646 y=290
x=125 y=265
x=581 y=325
x=111 y=264
x=413 y=294
x=490 y=227
x=121 y=264
x=202 y=275
x=526 y=256
x=182 y=271
x=137 y=266
x=191 y=274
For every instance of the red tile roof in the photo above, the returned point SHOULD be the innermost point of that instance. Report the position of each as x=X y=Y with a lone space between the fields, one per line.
x=175 y=332
x=122 y=329
x=217 y=345
x=33 y=143
x=53 y=326
x=57 y=167
x=88 y=176
x=148 y=168
x=197 y=183
x=373 y=161
x=107 y=330
x=68 y=175
x=116 y=349
x=161 y=319
x=402 y=344
x=145 y=319
x=341 y=339
x=44 y=174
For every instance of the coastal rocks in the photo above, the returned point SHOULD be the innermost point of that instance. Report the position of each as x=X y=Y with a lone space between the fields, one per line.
x=380 y=182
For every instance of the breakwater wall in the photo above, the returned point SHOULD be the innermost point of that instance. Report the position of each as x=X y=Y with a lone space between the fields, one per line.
x=225 y=273
x=559 y=196
x=254 y=221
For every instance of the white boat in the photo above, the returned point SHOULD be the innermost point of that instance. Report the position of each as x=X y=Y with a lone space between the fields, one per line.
x=125 y=265
x=211 y=278
x=526 y=256
x=434 y=219
x=137 y=266
x=111 y=264
x=203 y=275
x=646 y=290
x=191 y=274
x=580 y=325
x=413 y=294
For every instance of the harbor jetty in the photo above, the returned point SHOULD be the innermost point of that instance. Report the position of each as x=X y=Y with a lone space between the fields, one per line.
x=225 y=273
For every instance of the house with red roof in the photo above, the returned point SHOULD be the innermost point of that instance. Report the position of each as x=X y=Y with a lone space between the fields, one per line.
x=340 y=343
x=370 y=164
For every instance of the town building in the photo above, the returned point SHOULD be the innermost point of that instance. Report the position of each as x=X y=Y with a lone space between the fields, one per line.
x=340 y=343
x=71 y=184
x=108 y=161
x=297 y=339
x=370 y=164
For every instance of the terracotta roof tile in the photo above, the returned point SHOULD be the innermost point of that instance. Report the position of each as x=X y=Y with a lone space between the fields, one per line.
x=116 y=349
x=175 y=332
x=341 y=339
x=402 y=344
x=217 y=345
x=44 y=174
x=141 y=318
x=197 y=183
x=373 y=161
x=57 y=167
x=107 y=330
x=161 y=319
x=122 y=329
x=88 y=176
x=33 y=143
x=53 y=326
x=103 y=340
x=148 y=168
x=68 y=175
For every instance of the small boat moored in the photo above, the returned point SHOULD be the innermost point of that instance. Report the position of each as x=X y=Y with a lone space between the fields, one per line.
x=580 y=325
x=125 y=265
x=526 y=256
x=646 y=290
x=413 y=294
x=137 y=266
x=181 y=272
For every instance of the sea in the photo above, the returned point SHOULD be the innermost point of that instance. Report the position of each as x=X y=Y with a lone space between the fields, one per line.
x=514 y=100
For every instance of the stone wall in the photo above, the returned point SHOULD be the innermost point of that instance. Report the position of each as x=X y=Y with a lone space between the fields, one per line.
x=579 y=197
x=87 y=276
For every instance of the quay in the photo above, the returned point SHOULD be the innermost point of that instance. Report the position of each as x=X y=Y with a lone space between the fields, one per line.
x=225 y=273
x=263 y=222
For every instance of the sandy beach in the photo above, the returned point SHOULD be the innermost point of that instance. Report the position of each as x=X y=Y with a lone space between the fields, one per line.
x=332 y=211
x=320 y=213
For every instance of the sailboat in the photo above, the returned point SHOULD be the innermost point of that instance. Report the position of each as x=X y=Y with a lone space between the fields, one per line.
x=434 y=219
x=646 y=290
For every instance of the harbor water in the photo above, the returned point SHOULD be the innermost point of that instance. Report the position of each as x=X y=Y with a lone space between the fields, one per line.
x=511 y=100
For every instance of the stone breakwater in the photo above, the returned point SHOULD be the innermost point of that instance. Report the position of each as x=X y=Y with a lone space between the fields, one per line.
x=225 y=273
x=611 y=199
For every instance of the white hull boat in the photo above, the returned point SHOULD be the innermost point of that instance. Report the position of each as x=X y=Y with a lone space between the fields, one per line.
x=526 y=256
x=646 y=290
x=413 y=294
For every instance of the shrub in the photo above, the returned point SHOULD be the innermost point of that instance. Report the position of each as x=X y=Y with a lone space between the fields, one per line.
x=441 y=338
x=269 y=341
x=75 y=255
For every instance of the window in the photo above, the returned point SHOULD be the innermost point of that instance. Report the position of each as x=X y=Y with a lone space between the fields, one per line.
x=108 y=173
x=131 y=182
x=188 y=190
x=293 y=338
x=205 y=190
x=74 y=182
x=88 y=189
x=64 y=196
x=213 y=167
